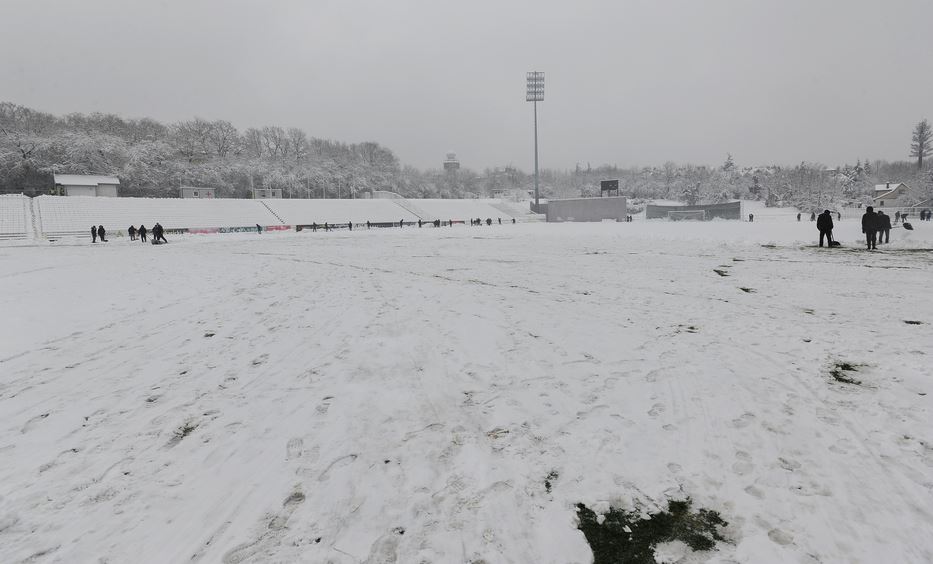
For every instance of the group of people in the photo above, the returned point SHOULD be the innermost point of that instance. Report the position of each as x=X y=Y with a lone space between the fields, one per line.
x=141 y=233
x=924 y=216
x=875 y=225
x=813 y=215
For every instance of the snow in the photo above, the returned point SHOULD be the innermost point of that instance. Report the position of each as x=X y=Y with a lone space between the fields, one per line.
x=401 y=395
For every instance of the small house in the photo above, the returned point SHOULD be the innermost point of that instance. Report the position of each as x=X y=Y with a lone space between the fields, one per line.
x=86 y=185
x=890 y=195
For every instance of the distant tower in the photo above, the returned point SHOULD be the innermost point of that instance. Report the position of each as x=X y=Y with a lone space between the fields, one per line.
x=451 y=163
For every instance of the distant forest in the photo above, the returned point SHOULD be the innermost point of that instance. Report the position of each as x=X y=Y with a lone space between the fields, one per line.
x=154 y=159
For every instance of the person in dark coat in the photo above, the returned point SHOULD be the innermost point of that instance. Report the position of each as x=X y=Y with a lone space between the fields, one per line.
x=897 y=217
x=368 y=224
x=798 y=217
x=870 y=227
x=884 y=227
x=314 y=227
x=132 y=233
x=751 y=217
x=419 y=223
x=500 y=221
x=488 y=221
x=513 y=221
x=258 y=229
x=102 y=233
x=839 y=215
x=350 y=225
x=93 y=233
x=812 y=216
x=401 y=223
x=158 y=233
x=825 y=224
x=142 y=233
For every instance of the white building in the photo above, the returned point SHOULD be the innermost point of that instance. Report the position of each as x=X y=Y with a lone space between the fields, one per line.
x=890 y=195
x=196 y=192
x=259 y=193
x=86 y=185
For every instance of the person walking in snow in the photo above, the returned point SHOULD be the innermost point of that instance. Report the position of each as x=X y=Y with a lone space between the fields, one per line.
x=101 y=233
x=839 y=215
x=350 y=225
x=258 y=229
x=798 y=216
x=897 y=216
x=142 y=233
x=132 y=233
x=870 y=227
x=813 y=216
x=93 y=233
x=884 y=227
x=825 y=225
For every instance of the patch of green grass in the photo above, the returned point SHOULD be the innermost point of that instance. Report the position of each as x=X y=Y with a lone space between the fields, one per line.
x=628 y=537
x=840 y=371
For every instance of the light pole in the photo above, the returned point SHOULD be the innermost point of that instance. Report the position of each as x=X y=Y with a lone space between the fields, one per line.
x=535 y=93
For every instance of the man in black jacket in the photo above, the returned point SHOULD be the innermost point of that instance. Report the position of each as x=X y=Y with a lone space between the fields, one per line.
x=870 y=227
x=825 y=224
x=884 y=227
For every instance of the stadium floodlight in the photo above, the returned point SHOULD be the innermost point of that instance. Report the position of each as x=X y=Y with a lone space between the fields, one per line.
x=534 y=92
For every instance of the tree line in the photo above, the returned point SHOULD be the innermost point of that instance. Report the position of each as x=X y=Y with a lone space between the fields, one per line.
x=155 y=159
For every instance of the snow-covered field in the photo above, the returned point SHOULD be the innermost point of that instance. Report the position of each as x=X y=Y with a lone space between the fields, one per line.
x=403 y=395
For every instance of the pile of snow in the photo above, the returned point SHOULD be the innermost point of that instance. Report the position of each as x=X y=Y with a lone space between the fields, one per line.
x=450 y=395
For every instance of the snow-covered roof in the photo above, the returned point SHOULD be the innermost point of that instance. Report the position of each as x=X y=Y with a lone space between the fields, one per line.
x=84 y=179
x=889 y=187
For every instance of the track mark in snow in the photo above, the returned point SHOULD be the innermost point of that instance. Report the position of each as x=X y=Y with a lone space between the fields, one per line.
x=782 y=538
x=32 y=422
x=342 y=461
x=294 y=448
x=743 y=420
x=431 y=427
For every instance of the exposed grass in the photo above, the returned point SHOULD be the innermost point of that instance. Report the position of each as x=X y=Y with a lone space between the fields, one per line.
x=627 y=537
x=720 y=272
x=552 y=475
x=840 y=373
x=912 y=322
x=748 y=290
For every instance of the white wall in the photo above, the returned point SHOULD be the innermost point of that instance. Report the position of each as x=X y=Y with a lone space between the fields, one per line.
x=80 y=190
x=108 y=190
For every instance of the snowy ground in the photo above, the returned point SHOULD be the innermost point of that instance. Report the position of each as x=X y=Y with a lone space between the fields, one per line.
x=402 y=395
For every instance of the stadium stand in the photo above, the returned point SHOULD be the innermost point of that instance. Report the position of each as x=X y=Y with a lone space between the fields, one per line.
x=460 y=210
x=55 y=217
x=306 y=212
x=15 y=216
x=69 y=216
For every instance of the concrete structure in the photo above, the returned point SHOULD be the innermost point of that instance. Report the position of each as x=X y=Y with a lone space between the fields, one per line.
x=451 y=163
x=587 y=209
x=890 y=195
x=86 y=185
x=728 y=210
x=196 y=192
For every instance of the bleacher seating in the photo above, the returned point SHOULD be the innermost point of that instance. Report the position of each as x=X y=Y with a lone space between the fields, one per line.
x=14 y=217
x=459 y=210
x=306 y=212
x=72 y=216
x=60 y=216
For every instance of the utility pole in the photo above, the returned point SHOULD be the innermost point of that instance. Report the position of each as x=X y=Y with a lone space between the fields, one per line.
x=535 y=93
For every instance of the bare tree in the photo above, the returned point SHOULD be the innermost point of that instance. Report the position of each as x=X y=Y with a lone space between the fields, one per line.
x=920 y=146
x=298 y=140
x=223 y=136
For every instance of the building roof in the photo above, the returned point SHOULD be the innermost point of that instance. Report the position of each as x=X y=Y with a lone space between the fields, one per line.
x=84 y=179
x=889 y=187
x=197 y=188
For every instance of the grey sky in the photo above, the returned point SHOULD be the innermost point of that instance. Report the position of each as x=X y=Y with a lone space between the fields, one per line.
x=633 y=82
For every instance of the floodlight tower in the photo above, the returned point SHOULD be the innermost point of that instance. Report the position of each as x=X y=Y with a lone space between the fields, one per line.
x=535 y=93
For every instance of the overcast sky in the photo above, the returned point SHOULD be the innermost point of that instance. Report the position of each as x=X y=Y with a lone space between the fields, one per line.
x=628 y=82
